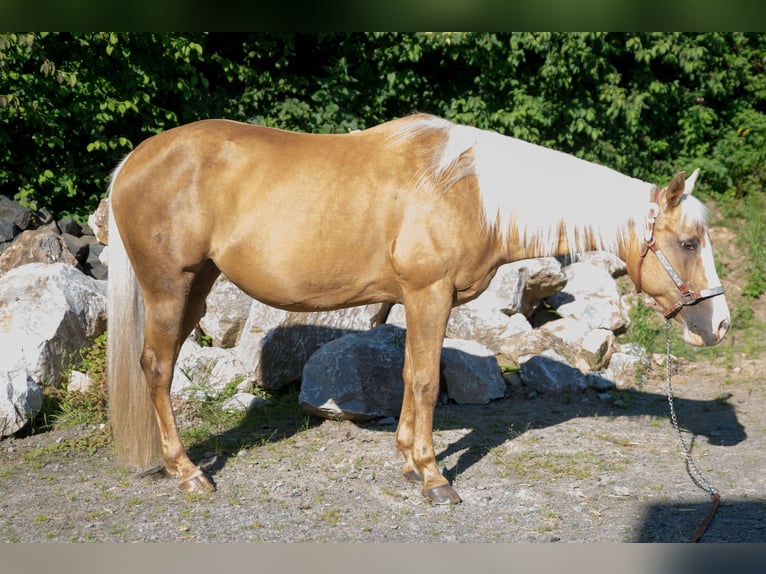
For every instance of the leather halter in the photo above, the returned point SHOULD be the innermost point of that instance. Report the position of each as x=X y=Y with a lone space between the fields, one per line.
x=688 y=296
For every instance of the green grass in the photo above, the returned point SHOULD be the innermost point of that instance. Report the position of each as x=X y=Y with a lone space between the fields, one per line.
x=536 y=465
x=748 y=215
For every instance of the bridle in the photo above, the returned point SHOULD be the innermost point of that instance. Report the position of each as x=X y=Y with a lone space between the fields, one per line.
x=688 y=296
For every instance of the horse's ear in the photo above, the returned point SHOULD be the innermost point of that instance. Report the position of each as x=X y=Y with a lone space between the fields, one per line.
x=690 y=181
x=675 y=190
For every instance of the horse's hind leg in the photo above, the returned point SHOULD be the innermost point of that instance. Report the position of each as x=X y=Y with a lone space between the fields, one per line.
x=171 y=314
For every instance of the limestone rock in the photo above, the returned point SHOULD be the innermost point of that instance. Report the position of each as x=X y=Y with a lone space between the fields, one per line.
x=47 y=313
x=98 y=221
x=227 y=309
x=590 y=296
x=21 y=398
x=37 y=246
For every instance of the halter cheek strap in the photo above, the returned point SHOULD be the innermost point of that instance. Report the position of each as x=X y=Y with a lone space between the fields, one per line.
x=688 y=296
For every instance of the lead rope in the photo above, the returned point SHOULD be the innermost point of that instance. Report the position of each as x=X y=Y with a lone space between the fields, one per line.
x=694 y=473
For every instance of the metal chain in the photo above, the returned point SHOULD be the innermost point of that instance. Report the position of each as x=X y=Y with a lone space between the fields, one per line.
x=694 y=473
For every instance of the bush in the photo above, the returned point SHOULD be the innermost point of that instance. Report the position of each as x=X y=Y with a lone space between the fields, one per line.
x=647 y=104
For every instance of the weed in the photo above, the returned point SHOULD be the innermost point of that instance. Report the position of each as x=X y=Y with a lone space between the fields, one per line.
x=332 y=516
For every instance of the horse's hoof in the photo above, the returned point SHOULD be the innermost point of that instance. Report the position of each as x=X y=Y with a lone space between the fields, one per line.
x=413 y=476
x=443 y=494
x=197 y=483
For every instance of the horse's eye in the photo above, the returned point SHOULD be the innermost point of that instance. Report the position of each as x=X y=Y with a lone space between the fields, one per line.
x=690 y=245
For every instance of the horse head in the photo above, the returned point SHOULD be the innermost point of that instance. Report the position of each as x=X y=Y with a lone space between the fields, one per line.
x=680 y=273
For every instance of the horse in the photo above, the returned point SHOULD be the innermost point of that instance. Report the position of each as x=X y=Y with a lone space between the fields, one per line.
x=419 y=211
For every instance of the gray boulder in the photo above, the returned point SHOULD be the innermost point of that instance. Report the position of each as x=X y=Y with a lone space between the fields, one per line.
x=275 y=344
x=550 y=372
x=359 y=376
x=470 y=372
x=356 y=377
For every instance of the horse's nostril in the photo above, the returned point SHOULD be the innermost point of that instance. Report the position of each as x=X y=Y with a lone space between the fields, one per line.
x=723 y=328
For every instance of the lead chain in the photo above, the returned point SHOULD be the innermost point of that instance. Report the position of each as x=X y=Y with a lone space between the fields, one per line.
x=694 y=473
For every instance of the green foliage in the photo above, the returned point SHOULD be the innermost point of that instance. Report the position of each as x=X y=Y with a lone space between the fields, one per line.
x=647 y=104
x=89 y=406
x=645 y=328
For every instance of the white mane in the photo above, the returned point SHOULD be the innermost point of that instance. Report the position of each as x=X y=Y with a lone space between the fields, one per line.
x=537 y=190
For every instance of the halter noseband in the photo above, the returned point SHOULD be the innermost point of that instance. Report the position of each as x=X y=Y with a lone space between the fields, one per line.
x=688 y=296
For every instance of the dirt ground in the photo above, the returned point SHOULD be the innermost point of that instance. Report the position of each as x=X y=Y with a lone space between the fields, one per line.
x=530 y=468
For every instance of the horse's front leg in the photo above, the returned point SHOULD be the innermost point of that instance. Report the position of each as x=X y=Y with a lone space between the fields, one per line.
x=427 y=316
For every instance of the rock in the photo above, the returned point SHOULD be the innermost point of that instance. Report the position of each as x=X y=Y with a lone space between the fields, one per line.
x=537 y=279
x=98 y=221
x=69 y=226
x=470 y=372
x=628 y=367
x=550 y=372
x=14 y=219
x=226 y=312
x=56 y=310
x=78 y=247
x=204 y=372
x=38 y=246
x=595 y=350
x=8 y=231
x=275 y=345
x=79 y=382
x=21 y=398
x=590 y=296
x=605 y=260
x=359 y=376
x=591 y=348
x=356 y=377
x=522 y=345
x=244 y=402
x=96 y=265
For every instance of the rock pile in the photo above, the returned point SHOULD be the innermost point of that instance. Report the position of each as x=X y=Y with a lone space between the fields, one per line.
x=545 y=324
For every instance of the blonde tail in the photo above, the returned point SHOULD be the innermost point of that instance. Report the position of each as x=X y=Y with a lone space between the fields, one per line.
x=131 y=413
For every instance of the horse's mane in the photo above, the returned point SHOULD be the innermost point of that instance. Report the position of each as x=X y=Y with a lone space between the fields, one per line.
x=535 y=189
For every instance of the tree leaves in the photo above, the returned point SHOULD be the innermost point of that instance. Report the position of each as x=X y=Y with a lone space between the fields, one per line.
x=648 y=104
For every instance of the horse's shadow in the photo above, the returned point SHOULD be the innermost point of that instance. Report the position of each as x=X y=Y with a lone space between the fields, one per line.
x=510 y=417
x=716 y=420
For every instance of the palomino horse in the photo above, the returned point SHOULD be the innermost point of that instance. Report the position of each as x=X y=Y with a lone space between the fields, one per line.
x=417 y=211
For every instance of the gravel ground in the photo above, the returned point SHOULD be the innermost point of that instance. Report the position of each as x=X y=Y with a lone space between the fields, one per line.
x=574 y=468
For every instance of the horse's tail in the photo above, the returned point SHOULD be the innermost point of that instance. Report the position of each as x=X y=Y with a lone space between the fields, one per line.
x=134 y=426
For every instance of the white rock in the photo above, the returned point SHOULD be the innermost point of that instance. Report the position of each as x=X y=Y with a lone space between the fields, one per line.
x=20 y=396
x=79 y=382
x=205 y=371
x=51 y=311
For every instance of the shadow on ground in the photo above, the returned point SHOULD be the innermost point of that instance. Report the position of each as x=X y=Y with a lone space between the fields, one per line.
x=736 y=520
